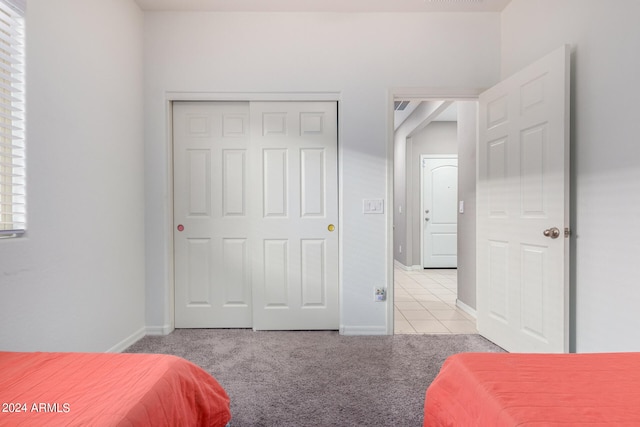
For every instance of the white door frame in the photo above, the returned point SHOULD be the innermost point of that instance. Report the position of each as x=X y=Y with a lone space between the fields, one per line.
x=170 y=97
x=423 y=94
x=422 y=223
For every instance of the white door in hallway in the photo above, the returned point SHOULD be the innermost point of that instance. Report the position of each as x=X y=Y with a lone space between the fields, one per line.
x=439 y=211
x=523 y=209
x=255 y=193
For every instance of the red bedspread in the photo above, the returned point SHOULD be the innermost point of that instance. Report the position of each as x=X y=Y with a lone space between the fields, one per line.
x=488 y=389
x=99 y=389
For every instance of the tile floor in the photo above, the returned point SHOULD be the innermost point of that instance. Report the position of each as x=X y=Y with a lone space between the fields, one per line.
x=425 y=303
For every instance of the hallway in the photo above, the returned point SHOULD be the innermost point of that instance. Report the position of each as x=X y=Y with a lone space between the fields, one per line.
x=425 y=303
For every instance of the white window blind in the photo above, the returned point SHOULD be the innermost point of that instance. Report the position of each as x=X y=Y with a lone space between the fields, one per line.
x=12 y=119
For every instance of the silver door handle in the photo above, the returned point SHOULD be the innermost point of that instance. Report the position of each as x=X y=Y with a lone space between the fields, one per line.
x=553 y=232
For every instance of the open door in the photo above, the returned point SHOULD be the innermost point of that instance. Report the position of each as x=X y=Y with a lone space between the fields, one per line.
x=523 y=209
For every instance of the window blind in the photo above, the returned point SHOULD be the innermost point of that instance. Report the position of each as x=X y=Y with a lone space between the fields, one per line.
x=12 y=119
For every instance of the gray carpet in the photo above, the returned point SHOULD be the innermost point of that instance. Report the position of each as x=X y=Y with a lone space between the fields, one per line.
x=317 y=378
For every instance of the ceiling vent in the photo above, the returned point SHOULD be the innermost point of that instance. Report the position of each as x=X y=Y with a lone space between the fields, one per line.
x=400 y=105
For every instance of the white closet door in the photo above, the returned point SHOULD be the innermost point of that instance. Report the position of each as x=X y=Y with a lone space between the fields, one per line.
x=295 y=268
x=211 y=215
x=256 y=232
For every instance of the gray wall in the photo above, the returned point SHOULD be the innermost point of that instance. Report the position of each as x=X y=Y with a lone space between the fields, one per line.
x=400 y=230
x=605 y=40
x=467 y=138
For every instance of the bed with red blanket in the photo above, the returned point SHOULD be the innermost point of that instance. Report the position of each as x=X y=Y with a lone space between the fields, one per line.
x=496 y=389
x=100 y=389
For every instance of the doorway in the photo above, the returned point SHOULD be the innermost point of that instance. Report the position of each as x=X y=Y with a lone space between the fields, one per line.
x=433 y=300
x=522 y=180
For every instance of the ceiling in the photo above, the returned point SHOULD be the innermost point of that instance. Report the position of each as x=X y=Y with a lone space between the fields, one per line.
x=325 y=5
x=450 y=114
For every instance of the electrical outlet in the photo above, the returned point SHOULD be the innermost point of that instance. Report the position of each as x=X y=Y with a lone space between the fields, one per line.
x=380 y=294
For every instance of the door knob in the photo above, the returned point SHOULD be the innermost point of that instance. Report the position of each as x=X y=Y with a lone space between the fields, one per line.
x=331 y=227
x=553 y=232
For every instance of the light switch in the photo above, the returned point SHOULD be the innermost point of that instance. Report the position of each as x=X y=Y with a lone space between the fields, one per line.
x=373 y=206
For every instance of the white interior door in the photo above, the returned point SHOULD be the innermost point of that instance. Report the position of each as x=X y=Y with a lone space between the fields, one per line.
x=439 y=212
x=295 y=267
x=523 y=209
x=211 y=211
x=255 y=193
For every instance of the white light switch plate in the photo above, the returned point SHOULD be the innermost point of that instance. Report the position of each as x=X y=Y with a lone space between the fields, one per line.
x=373 y=206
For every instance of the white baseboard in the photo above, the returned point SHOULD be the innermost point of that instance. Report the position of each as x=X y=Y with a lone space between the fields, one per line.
x=464 y=307
x=401 y=266
x=127 y=342
x=159 y=330
x=363 y=330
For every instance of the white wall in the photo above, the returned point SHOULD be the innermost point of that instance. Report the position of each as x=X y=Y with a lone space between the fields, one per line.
x=361 y=56
x=605 y=36
x=76 y=281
